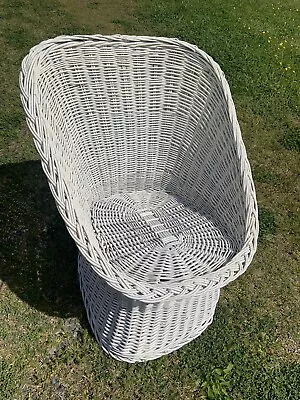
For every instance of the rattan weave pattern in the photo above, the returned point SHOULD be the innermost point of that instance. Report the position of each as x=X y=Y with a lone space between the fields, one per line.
x=134 y=331
x=140 y=143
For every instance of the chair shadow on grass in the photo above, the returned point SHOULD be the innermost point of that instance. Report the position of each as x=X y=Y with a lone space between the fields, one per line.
x=38 y=259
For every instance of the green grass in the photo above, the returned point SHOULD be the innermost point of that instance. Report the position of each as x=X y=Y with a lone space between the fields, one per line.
x=46 y=348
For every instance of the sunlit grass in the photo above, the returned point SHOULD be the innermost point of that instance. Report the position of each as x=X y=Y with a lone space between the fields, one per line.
x=46 y=348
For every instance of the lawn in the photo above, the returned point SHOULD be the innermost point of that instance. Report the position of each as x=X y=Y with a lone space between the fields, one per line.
x=47 y=351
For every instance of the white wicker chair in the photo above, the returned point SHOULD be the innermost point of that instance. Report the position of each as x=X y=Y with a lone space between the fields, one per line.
x=139 y=140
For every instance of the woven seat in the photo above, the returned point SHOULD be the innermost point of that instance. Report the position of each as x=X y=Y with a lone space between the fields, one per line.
x=139 y=140
x=154 y=237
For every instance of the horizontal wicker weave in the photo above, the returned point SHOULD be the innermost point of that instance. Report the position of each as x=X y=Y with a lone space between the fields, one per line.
x=139 y=140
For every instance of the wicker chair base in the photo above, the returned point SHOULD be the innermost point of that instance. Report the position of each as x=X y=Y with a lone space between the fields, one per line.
x=133 y=331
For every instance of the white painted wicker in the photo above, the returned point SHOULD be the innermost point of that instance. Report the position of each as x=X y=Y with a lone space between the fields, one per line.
x=140 y=143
